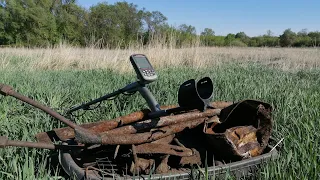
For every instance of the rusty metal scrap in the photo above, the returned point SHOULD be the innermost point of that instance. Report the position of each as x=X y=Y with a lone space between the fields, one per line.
x=102 y=126
x=244 y=132
x=140 y=164
x=165 y=140
x=191 y=160
x=97 y=127
x=163 y=121
x=154 y=148
x=163 y=167
x=139 y=138
x=142 y=141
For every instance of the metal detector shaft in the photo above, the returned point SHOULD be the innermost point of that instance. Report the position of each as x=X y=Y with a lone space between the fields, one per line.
x=135 y=86
x=85 y=106
x=129 y=88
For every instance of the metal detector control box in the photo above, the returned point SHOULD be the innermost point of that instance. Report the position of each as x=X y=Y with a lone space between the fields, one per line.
x=143 y=68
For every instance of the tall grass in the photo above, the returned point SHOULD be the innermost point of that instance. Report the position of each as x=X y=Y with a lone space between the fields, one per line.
x=66 y=57
x=60 y=77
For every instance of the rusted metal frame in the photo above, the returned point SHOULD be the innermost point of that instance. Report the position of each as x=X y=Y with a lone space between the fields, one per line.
x=140 y=138
x=154 y=148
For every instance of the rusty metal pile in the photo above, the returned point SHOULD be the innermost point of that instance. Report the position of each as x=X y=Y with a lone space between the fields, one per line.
x=137 y=144
x=158 y=140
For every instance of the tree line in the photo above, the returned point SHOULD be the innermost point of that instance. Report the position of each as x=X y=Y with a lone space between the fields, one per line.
x=43 y=23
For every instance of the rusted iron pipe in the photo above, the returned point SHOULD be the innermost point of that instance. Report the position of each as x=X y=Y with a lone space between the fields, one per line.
x=154 y=148
x=7 y=90
x=163 y=121
x=4 y=142
x=139 y=138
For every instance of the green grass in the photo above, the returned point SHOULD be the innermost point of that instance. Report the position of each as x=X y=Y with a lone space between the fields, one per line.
x=294 y=95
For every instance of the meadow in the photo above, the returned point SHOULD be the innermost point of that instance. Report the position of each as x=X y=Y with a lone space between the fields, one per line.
x=287 y=78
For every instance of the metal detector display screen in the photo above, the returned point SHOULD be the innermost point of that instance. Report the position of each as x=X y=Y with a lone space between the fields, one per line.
x=142 y=63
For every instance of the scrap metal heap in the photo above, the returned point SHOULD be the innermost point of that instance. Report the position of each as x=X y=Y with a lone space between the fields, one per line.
x=158 y=140
x=143 y=143
x=136 y=144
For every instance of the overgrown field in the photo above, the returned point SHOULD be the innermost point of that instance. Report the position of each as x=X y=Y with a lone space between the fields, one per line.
x=294 y=92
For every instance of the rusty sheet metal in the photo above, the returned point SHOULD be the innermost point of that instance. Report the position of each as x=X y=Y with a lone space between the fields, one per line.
x=106 y=125
x=163 y=167
x=140 y=138
x=244 y=132
x=165 y=140
x=163 y=121
x=153 y=148
x=140 y=165
x=190 y=160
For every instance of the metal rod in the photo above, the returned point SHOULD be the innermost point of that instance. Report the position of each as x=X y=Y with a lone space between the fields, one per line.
x=7 y=90
x=4 y=142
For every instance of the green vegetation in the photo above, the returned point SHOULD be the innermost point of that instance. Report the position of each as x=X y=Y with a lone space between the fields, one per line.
x=294 y=95
x=288 y=78
x=46 y=23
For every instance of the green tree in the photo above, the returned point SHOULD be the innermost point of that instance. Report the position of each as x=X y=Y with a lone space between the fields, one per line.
x=207 y=32
x=315 y=38
x=187 y=35
x=3 y=21
x=115 y=25
x=243 y=37
x=156 y=26
x=71 y=21
x=104 y=25
x=154 y=20
x=129 y=20
x=207 y=37
x=29 y=22
x=287 y=38
x=229 y=38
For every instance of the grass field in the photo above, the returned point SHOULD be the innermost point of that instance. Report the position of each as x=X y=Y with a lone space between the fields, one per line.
x=289 y=79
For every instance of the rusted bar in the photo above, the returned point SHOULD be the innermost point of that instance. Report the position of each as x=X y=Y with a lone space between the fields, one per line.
x=4 y=142
x=163 y=121
x=154 y=148
x=139 y=138
x=7 y=90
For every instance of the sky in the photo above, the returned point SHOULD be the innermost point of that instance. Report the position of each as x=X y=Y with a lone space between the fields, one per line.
x=254 y=17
